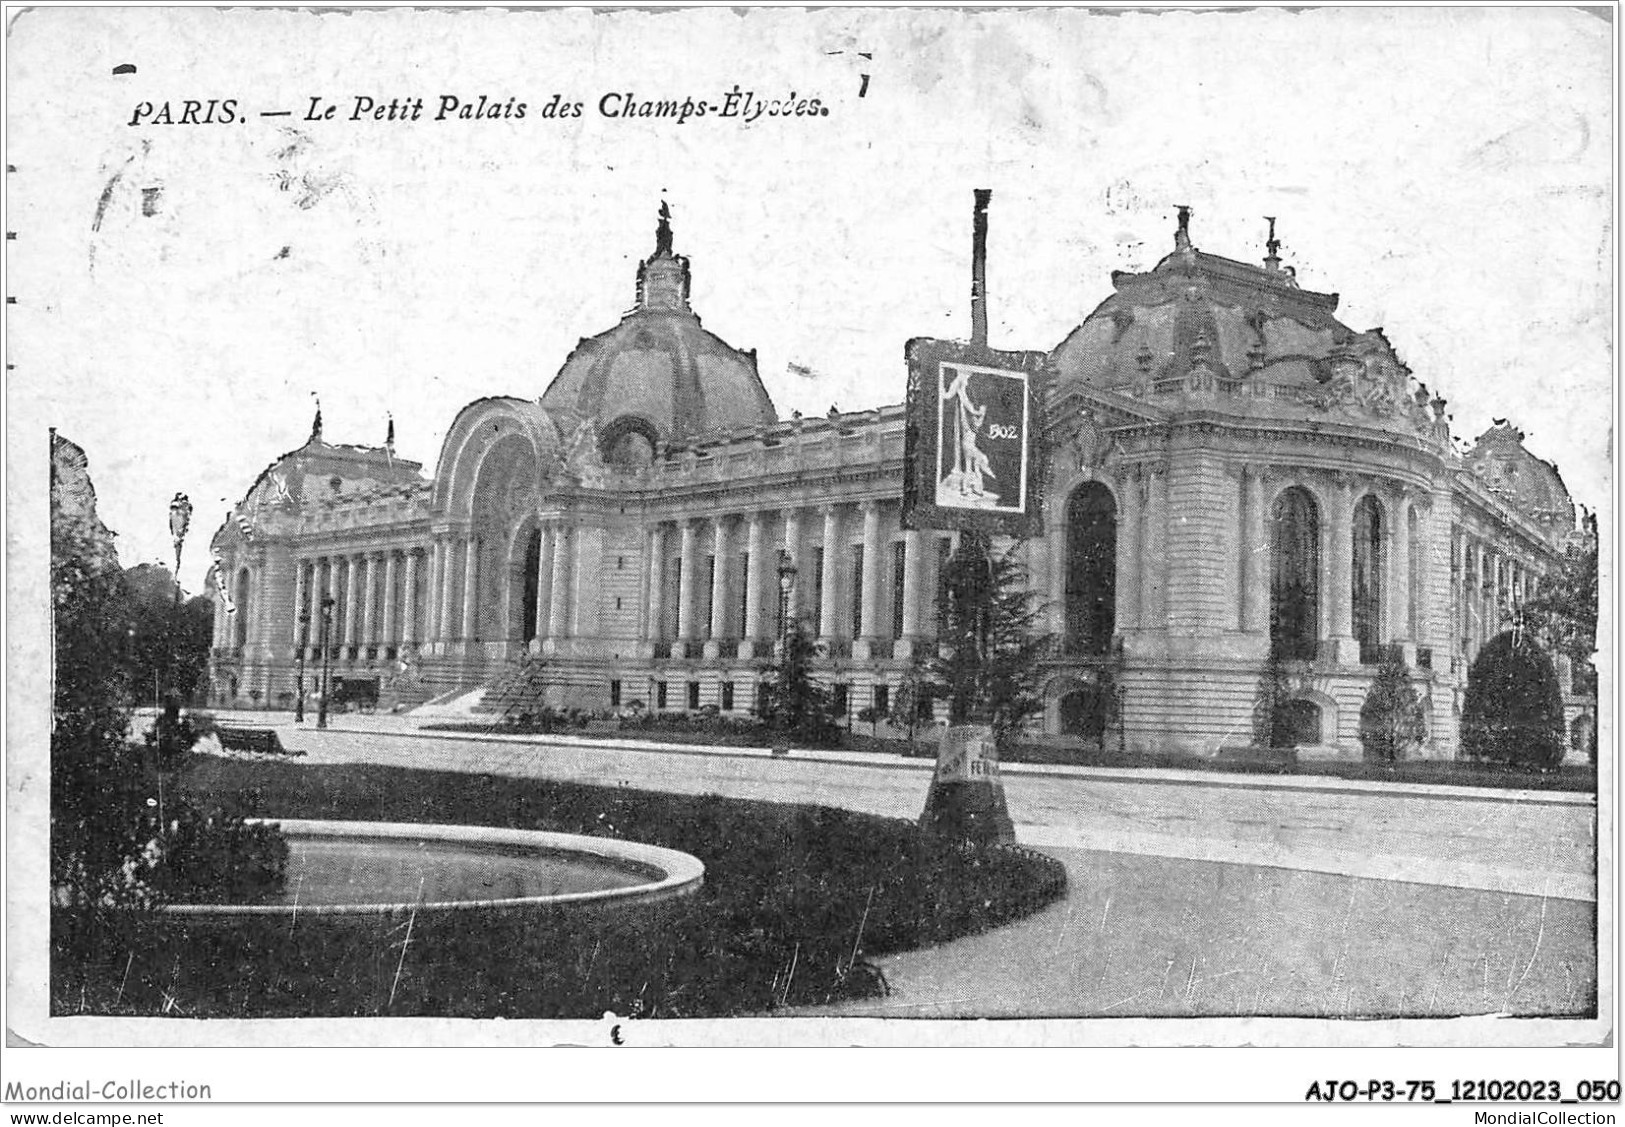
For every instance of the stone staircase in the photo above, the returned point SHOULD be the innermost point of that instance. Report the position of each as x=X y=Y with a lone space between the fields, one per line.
x=519 y=689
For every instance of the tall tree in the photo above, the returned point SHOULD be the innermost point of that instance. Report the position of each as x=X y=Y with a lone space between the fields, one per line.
x=989 y=667
x=1564 y=614
x=792 y=701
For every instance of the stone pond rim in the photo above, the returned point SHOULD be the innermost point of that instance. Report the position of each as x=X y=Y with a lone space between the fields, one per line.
x=657 y=873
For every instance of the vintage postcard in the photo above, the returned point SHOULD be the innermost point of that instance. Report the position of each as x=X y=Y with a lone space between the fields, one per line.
x=723 y=527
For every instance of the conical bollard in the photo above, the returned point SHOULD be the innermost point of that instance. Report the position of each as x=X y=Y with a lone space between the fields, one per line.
x=966 y=800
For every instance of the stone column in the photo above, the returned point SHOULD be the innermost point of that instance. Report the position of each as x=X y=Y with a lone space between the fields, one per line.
x=544 y=581
x=1153 y=538
x=352 y=581
x=1055 y=588
x=1255 y=554
x=300 y=593
x=369 y=602
x=1492 y=616
x=654 y=626
x=828 y=619
x=1399 y=580
x=750 y=630
x=558 y=609
x=719 y=586
x=869 y=583
x=387 y=631
x=409 y=600
x=914 y=542
x=688 y=587
x=1340 y=568
x=470 y=626
x=431 y=595
x=448 y=570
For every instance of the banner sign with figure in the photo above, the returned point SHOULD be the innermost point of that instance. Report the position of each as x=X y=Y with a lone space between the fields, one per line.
x=973 y=448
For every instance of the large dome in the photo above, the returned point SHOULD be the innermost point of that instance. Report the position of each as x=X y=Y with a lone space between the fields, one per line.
x=1199 y=330
x=658 y=376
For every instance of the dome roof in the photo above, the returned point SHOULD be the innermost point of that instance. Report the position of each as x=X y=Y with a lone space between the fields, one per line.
x=1200 y=330
x=659 y=374
x=1533 y=486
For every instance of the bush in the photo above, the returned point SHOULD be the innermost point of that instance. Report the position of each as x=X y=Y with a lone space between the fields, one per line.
x=1513 y=712
x=1392 y=723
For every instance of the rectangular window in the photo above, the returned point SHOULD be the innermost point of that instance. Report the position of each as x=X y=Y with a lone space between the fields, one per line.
x=727 y=696
x=924 y=708
x=705 y=596
x=817 y=607
x=660 y=695
x=673 y=591
x=839 y=698
x=882 y=703
x=693 y=694
x=899 y=565
x=615 y=694
x=857 y=590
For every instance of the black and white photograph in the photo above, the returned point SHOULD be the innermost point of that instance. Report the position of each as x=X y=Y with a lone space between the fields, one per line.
x=932 y=529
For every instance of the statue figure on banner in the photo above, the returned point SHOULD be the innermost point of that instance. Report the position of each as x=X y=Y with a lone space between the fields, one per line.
x=964 y=485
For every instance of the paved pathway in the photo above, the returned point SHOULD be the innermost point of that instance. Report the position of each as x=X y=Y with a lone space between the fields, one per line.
x=1190 y=894
x=1525 y=842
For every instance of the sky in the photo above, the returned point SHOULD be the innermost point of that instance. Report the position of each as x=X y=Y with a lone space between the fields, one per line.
x=1447 y=171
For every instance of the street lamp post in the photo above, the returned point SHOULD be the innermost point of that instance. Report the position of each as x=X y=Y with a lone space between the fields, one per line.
x=327 y=629
x=787 y=581
x=304 y=642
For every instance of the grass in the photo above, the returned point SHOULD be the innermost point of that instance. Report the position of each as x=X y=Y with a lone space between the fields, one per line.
x=795 y=899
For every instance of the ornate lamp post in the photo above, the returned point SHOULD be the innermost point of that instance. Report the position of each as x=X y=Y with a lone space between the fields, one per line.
x=304 y=641
x=787 y=581
x=327 y=629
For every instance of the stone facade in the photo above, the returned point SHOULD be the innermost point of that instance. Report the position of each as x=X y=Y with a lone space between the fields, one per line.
x=1241 y=490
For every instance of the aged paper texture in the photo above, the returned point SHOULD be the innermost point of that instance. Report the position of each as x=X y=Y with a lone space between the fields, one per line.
x=536 y=381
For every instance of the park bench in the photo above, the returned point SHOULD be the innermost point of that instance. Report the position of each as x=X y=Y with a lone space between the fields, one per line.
x=261 y=740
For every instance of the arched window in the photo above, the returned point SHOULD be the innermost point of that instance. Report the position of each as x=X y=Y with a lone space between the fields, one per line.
x=239 y=625
x=1091 y=569
x=527 y=602
x=1367 y=583
x=1295 y=577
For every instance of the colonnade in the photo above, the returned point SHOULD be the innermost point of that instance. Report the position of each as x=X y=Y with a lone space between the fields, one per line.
x=712 y=583
x=1167 y=570
x=376 y=606
x=1487 y=585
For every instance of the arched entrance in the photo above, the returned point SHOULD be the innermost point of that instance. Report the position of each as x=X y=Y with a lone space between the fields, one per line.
x=1091 y=569
x=1296 y=723
x=1084 y=713
x=504 y=497
x=525 y=627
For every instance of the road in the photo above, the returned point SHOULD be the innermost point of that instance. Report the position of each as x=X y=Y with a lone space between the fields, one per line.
x=1190 y=895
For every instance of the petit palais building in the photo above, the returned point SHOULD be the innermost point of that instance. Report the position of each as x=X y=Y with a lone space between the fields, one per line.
x=1239 y=487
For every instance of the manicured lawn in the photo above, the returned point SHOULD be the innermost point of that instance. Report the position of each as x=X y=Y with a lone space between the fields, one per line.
x=795 y=898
